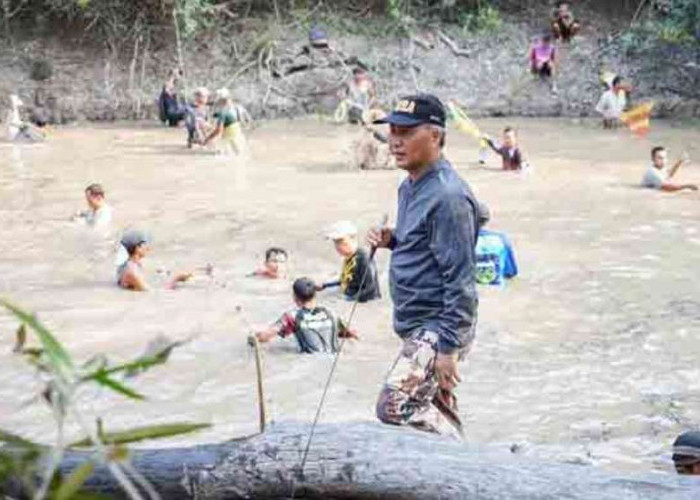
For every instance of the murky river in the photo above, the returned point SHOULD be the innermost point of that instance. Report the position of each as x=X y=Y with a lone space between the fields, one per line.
x=590 y=356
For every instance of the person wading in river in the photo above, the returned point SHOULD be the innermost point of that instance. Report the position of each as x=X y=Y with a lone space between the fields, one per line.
x=686 y=453
x=432 y=273
x=315 y=328
x=130 y=275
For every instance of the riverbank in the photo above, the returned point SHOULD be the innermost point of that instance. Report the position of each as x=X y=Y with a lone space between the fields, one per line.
x=262 y=64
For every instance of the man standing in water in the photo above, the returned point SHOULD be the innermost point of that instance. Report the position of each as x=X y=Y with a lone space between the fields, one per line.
x=432 y=275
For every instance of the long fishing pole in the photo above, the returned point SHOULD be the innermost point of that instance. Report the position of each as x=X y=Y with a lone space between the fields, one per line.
x=372 y=252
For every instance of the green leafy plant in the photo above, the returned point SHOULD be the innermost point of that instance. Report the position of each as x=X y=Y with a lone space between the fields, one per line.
x=23 y=460
x=483 y=19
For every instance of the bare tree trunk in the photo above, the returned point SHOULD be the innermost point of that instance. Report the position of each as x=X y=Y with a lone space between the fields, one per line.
x=142 y=78
x=370 y=460
x=132 y=73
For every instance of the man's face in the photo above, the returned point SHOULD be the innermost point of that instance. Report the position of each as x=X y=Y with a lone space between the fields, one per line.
x=93 y=201
x=509 y=139
x=660 y=159
x=563 y=10
x=346 y=246
x=414 y=147
x=276 y=264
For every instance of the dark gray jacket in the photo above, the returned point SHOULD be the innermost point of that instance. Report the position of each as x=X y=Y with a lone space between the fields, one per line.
x=432 y=276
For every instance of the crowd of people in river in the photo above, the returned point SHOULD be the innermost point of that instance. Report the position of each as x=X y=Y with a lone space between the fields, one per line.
x=440 y=247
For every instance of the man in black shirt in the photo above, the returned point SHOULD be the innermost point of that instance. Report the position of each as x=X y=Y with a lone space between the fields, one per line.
x=357 y=265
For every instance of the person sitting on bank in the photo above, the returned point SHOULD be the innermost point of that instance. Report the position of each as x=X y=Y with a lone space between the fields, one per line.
x=170 y=109
x=130 y=274
x=99 y=213
x=543 y=59
x=508 y=150
x=197 y=116
x=659 y=176
x=358 y=270
x=686 y=453
x=360 y=95
x=495 y=259
x=564 y=25
x=17 y=129
x=275 y=264
x=315 y=328
x=228 y=124
x=612 y=103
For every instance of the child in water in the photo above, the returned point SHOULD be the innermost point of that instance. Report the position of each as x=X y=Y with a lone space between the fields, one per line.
x=509 y=151
x=228 y=125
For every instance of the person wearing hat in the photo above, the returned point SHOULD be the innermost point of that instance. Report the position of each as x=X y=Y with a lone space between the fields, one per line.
x=432 y=272
x=315 y=328
x=15 y=128
x=358 y=269
x=130 y=274
x=228 y=125
x=495 y=258
x=686 y=453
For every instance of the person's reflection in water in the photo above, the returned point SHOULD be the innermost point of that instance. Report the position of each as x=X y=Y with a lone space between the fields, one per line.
x=686 y=453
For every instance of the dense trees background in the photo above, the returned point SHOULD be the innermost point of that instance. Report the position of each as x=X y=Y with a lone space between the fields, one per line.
x=119 y=21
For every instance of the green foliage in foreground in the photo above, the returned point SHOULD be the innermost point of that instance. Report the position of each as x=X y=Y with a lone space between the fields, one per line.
x=23 y=460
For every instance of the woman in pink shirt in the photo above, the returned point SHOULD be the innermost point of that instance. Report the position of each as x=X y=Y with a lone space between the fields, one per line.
x=543 y=57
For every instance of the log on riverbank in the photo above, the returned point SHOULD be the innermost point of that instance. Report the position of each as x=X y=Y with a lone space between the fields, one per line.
x=368 y=460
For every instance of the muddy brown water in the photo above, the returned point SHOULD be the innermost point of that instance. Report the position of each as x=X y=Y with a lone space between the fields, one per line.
x=589 y=356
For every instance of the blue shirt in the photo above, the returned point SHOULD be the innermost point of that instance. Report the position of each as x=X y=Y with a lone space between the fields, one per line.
x=495 y=260
x=432 y=274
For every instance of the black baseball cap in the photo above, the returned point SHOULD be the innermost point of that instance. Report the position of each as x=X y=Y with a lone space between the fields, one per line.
x=304 y=289
x=415 y=110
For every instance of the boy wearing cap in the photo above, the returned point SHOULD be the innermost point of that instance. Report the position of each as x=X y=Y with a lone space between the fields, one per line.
x=315 y=328
x=99 y=213
x=432 y=272
x=357 y=266
x=130 y=274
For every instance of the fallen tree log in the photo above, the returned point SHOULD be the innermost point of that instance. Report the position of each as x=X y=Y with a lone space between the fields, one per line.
x=370 y=460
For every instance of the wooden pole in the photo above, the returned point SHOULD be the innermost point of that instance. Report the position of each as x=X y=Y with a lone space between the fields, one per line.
x=259 y=374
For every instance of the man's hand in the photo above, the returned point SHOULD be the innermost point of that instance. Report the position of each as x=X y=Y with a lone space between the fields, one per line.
x=447 y=371
x=379 y=237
